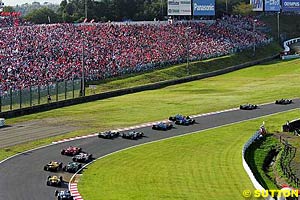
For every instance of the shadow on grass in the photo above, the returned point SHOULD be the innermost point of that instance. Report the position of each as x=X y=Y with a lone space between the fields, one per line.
x=252 y=162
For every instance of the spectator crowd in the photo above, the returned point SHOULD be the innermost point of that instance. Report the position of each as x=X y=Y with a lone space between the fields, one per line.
x=11 y=19
x=43 y=54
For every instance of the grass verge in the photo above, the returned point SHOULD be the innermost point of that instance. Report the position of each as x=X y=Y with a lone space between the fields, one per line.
x=180 y=71
x=259 y=84
x=206 y=165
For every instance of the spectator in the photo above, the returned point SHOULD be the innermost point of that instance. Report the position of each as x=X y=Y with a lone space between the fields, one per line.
x=43 y=54
x=49 y=98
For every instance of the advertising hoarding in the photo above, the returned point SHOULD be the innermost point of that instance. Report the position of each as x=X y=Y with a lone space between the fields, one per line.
x=204 y=7
x=257 y=5
x=179 y=7
x=291 y=5
x=272 y=5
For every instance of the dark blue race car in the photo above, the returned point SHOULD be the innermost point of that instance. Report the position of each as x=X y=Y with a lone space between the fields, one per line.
x=133 y=135
x=162 y=126
x=185 y=121
x=63 y=195
x=248 y=107
x=108 y=134
x=178 y=117
x=284 y=101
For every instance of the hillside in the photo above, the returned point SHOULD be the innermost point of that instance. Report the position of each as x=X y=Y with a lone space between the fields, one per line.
x=289 y=25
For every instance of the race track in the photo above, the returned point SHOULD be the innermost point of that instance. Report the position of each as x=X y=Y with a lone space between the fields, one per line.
x=296 y=47
x=23 y=178
x=28 y=131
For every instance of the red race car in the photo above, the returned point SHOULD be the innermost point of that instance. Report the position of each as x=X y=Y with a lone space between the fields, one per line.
x=71 y=151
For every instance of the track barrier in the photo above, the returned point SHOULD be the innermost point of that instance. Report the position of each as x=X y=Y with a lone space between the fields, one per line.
x=105 y=95
x=256 y=184
x=2 y=122
x=286 y=54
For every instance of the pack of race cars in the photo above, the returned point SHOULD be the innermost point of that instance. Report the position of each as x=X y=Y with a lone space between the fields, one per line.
x=79 y=158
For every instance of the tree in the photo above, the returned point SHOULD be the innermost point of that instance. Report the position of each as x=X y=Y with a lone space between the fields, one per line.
x=242 y=9
x=42 y=16
x=115 y=10
x=28 y=8
x=70 y=9
x=8 y=9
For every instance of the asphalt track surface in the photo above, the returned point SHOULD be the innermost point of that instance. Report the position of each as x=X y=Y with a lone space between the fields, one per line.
x=296 y=47
x=28 y=131
x=23 y=178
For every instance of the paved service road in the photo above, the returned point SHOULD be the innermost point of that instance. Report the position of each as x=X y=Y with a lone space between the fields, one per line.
x=22 y=177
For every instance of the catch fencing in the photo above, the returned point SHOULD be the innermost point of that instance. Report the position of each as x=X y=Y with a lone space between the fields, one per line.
x=131 y=90
x=38 y=95
x=287 y=156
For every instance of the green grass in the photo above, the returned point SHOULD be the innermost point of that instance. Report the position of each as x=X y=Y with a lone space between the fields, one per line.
x=206 y=165
x=179 y=71
x=259 y=84
x=255 y=156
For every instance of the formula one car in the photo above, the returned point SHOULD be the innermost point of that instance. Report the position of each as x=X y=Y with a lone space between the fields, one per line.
x=162 y=126
x=72 y=167
x=248 y=107
x=71 y=151
x=53 y=166
x=82 y=157
x=291 y=126
x=133 y=135
x=185 y=121
x=284 y=101
x=108 y=135
x=54 y=181
x=178 y=117
x=63 y=195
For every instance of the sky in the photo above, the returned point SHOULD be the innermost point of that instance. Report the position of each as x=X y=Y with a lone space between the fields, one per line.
x=19 y=2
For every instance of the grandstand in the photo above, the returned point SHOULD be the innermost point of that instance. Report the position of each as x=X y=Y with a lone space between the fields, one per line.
x=43 y=54
x=1 y=6
x=9 y=19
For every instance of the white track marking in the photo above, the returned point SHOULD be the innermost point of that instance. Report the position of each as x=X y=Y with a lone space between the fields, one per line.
x=141 y=126
x=122 y=129
x=177 y=136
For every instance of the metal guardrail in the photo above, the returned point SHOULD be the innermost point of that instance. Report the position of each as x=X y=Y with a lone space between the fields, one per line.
x=2 y=122
x=286 y=55
x=256 y=184
x=289 y=42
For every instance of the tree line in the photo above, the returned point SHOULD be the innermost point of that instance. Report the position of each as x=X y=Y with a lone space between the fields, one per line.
x=71 y=11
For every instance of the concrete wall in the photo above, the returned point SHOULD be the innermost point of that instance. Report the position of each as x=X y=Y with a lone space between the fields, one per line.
x=105 y=95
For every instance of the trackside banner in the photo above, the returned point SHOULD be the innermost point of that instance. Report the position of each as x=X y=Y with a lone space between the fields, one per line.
x=291 y=5
x=204 y=7
x=257 y=5
x=272 y=5
x=179 y=7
